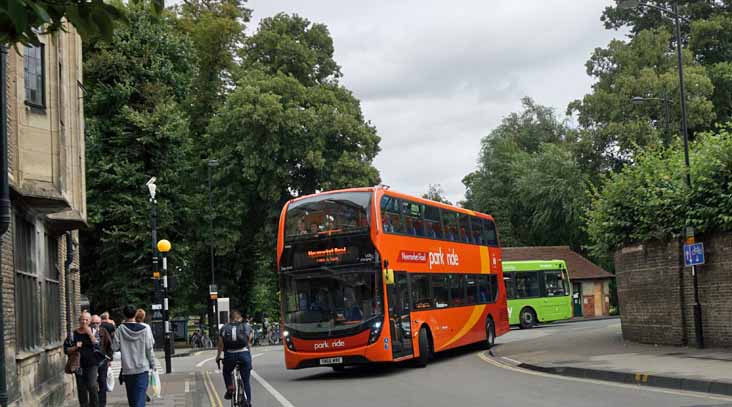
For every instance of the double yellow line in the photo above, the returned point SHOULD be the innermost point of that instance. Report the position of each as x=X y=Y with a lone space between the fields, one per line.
x=213 y=396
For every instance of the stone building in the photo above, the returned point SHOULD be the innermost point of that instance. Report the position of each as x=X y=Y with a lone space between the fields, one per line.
x=590 y=282
x=40 y=280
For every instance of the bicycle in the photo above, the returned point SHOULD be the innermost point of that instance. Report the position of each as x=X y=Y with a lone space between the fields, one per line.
x=238 y=396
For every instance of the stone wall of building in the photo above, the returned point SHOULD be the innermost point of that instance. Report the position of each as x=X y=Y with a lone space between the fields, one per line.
x=656 y=297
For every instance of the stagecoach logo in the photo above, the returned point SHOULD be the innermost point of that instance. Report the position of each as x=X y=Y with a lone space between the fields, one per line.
x=409 y=256
x=325 y=345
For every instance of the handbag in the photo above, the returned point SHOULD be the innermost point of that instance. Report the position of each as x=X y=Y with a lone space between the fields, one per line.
x=73 y=363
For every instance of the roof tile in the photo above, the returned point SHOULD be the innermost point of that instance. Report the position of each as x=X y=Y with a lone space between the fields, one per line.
x=579 y=268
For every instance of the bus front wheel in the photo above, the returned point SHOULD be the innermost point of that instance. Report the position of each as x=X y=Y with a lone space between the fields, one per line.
x=490 y=332
x=528 y=318
x=424 y=348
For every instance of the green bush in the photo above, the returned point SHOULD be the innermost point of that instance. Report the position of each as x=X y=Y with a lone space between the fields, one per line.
x=649 y=199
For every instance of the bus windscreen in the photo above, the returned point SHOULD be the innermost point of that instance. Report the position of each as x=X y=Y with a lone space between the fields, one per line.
x=329 y=213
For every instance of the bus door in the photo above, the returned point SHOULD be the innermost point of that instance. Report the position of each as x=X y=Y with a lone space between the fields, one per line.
x=400 y=325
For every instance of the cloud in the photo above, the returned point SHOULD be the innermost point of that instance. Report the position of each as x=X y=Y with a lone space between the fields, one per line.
x=435 y=77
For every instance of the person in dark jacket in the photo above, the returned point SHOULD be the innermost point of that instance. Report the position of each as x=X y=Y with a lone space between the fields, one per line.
x=105 y=354
x=84 y=341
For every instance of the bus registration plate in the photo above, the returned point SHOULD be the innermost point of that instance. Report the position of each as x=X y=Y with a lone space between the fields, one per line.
x=331 y=361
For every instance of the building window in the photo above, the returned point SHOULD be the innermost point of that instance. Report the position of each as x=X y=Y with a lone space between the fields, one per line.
x=52 y=285
x=33 y=67
x=27 y=309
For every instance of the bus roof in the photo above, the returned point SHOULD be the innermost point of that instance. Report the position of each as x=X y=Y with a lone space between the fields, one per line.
x=397 y=195
x=533 y=265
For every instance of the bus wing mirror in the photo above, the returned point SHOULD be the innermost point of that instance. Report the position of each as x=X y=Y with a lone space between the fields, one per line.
x=389 y=276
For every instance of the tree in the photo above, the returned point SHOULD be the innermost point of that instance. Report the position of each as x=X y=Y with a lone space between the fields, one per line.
x=294 y=46
x=436 y=193
x=136 y=128
x=217 y=30
x=613 y=129
x=281 y=132
x=23 y=20
x=530 y=181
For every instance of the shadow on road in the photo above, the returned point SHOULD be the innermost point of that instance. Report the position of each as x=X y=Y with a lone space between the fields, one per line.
x=387 y=369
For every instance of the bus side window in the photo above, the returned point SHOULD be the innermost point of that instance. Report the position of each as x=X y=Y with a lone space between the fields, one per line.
x=490 y=237
x=527 y=284
x=457 y=289
x=553 y=283
x=413 y=213
x=493 y=287
x=471 y=289
x=484 y=288
x=391 y=217
x=510 y=283
x=449 y=219
x=439 y=290
x=432 y=222
x=476 y=227
x=465 y=235
x=421 y=297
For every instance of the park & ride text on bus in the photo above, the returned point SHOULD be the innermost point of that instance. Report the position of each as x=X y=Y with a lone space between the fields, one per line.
x=372 y=275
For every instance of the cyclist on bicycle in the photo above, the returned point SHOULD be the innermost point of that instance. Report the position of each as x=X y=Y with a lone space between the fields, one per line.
x=234 y=340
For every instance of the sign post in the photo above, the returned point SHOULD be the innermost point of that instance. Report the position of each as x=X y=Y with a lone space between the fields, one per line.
x=694 y=256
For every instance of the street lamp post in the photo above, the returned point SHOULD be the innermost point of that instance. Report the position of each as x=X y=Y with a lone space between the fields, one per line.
x=674 y=12
x=164 y=247
x=152 y=188
x=212 y=289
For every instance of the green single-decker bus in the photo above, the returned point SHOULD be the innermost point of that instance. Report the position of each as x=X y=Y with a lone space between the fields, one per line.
x=537 y=291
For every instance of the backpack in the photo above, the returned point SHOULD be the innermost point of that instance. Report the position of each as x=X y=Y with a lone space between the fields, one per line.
x=235 y=336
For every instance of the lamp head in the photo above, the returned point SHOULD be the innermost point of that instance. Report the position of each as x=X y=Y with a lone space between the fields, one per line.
x=164 y=246
x=213 y=163
x=637 y=100
x=152 y=187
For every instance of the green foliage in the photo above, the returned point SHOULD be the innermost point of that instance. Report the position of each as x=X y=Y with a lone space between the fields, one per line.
x=436 y=193
x=23 y=20
x=136 y=128
x=650 y=200
x=216 y=29
x=292 y=45
x=613 y=129
x=530 y=181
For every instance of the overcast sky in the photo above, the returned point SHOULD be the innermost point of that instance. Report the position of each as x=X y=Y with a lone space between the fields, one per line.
x=436 y=77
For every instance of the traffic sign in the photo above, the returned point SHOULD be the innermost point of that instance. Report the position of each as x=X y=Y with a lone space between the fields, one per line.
x=693 y=254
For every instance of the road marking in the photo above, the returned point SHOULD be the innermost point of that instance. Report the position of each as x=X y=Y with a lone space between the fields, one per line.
x=198 y=353
x=216 y=400
x=203 y=362
x=208 y=390
x=511 y=360
x=482 y=355
x=277 y=395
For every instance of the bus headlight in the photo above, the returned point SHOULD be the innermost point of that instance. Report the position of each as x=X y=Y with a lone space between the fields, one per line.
x=375 y=330
x=288 y=340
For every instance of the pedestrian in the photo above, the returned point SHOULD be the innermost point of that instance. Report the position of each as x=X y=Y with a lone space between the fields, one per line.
x=105 y=355
x=234 y=340
x=135 y=342
x=140 y=316
x=108 y=324
x=86 y=343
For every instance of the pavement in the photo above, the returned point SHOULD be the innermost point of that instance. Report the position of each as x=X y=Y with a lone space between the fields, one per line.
x=468 y=376
x=596 y=350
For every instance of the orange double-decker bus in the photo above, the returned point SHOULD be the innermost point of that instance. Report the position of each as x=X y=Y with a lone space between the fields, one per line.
x=372 y=275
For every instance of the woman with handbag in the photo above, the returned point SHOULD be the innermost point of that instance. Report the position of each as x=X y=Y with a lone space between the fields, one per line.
x=83 y=345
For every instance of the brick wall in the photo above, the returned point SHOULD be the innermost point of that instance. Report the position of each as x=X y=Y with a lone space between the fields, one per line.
x=655 y=292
